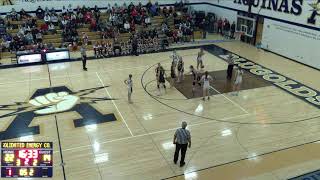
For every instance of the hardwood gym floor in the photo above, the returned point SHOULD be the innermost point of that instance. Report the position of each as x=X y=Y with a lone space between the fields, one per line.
x=264 y=133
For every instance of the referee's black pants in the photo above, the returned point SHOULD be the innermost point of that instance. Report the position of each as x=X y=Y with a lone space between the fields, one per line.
x=183 y=148
x=84 y=62
x=229 y=71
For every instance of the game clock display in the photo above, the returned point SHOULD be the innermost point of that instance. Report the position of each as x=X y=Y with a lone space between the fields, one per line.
x=26 y=159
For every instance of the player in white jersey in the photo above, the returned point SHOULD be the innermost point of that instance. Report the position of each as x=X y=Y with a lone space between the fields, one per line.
x=175 y=59
x=129 y=83
x=238 y=81
x=200 y=60
x=206 y=78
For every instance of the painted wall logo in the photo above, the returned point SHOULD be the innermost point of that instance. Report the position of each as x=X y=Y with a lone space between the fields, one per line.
x=52 y=101
x=315 y=12
x=286 y=6
x=7 y=2
x=295 y=88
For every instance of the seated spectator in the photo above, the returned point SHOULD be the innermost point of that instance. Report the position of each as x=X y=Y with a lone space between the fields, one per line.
x=50 y=46
x=21 y=31
x=44 y=27
x=64 y=23
x=52 y=11
x=54 y=19
x=88 y=16
x=40 y=13
x=64 y=10
x=52 y=28
x=148 y=6
x=147 y=20
x=13 y=15
x=47 y=19
x=126 y=26
x=70 y=9
x=6 y=41
x=93 y=24
x=96 y=9
x=24 y=14
x=39 y=37
x=29 y=38
x=46 y=10
x=154 y=10
x=2 y=29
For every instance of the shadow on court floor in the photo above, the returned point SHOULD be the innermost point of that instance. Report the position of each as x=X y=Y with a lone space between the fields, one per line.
x=220 y=83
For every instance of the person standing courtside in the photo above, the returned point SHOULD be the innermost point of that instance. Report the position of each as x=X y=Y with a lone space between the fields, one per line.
x=84 y=57
x=182 y=139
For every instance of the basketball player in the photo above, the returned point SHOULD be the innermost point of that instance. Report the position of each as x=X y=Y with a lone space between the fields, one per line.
x=129 y=83
x=84 y=57
x=238 y=81
x=180 y=69
x=173 y=74
x=161 y=80
x=206 y=78
x=230 y=67
x=200 y=60
x=175 y=59
x=195 y=80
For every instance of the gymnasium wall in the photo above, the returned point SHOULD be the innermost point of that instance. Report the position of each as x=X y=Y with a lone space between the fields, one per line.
x=31 y=5
x=286 y=33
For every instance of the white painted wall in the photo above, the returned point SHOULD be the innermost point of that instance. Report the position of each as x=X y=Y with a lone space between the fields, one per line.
x=294 y=42
x=301 y=19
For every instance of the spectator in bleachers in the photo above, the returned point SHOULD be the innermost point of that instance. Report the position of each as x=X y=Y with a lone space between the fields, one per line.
x=29 y=38
x=147 y=20
x=64 y=10
x=70 y=9
x=154 y=10
x=40 y=13
x=24 y=14
x=126 y=26
x=46 y=19
x=52 y=10
x=46 y=10
x=52 y=28
x=44 y=27
x=54 y=19
x=93 y=25
x=220 y=24
x=39 y=37
x=13 y=15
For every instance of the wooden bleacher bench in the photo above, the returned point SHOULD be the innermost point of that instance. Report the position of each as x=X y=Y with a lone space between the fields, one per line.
x=55 y=40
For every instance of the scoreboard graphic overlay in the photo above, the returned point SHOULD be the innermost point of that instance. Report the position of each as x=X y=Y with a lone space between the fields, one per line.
x=26 y=159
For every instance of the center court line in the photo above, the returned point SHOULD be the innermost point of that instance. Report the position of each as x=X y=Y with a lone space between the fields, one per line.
x=236 y=104
x=157 y=132
x=114 y=104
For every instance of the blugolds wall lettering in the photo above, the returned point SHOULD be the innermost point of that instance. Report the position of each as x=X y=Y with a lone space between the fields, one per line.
x=286 y=6
x=295 y=88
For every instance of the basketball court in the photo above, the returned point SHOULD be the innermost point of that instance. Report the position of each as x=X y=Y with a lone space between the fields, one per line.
x=97 y=134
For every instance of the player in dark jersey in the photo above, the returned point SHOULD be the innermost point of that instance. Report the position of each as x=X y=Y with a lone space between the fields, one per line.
x=173 y=74
x=161 y=80
x=180 y=67
x=195 y=78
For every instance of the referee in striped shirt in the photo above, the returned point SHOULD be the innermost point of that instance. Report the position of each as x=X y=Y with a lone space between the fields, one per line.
x=182 y=139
